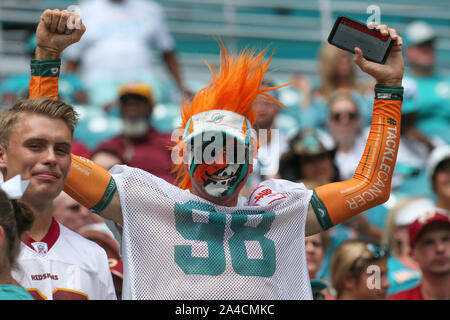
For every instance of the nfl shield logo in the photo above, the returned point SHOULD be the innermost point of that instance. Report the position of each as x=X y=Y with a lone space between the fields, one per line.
x=40 y=247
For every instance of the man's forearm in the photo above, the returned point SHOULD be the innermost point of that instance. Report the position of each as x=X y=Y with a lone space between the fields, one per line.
x=46 y=54
x=173 y=67
x=370 y=186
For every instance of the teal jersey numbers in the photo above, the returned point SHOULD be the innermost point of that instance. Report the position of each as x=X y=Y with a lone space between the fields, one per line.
x=241 y=263
x=212 y=231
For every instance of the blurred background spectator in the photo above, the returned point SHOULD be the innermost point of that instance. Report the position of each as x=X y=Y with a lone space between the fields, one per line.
x=315 y=248
x=310 y=158
x=438 y=170
x=140 y=145
x=116 y=47
x=350 y=273
x=403 y=270
x=105 y=158
x=336 y=72
x=421 y=42
x=73 y=215
x=80 y=149
x=345 y=126
x=415 y=147
x=15 y=86
x=429 y=238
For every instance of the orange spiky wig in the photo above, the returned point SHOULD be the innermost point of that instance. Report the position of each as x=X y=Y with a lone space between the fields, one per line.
x=238 y=83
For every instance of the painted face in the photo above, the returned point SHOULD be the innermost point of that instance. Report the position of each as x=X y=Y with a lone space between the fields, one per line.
x=223 y=167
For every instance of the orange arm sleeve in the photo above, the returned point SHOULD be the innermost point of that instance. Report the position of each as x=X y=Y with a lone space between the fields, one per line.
x=44 y=78
x=371 y=184
x=89 y=184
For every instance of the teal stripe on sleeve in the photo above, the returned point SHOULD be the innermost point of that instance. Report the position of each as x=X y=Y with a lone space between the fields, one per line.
x=45 y=68
x=321 y=212
x=106 y=198
x=388 y=93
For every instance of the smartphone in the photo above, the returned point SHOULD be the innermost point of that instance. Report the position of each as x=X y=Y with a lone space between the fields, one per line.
x=348 y=34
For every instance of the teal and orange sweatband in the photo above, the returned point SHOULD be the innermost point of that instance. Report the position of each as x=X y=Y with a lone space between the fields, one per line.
x=44 y=78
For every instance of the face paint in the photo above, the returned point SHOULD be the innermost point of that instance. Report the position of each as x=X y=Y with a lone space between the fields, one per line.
x=223 y=176
x=222 y=182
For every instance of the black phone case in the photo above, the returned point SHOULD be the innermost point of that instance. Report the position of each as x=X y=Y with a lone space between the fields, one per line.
x=333 y=31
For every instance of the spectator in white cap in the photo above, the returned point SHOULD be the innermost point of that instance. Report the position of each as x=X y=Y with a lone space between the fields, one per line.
x=410 y=178
x=438 y=169
x=403 y=271
x=420 y=40
x=120 y=46
x=434 y=88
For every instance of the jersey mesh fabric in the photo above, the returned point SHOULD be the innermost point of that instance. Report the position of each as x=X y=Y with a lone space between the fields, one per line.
x=179 y=246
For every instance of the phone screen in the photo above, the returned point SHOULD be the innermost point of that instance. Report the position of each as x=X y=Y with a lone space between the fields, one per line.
x=348 y=34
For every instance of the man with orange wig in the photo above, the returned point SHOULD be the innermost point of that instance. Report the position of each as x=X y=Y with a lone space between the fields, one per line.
x=201 y=239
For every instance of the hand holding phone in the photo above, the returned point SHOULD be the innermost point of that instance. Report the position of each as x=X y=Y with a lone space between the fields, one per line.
x=348 y=34
x=391 y=72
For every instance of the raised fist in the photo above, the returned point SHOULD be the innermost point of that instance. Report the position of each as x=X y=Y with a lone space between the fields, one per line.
x=56 y=31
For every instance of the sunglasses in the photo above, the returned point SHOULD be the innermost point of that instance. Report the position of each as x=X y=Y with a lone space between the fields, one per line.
x=339 y=115
x=376 y=252
x=307 y=159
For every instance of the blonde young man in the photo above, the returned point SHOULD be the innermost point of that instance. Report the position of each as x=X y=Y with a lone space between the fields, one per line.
x=55 y=263
x=201 y=240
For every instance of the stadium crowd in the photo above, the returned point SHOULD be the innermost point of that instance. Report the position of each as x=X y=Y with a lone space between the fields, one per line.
x=397 y=250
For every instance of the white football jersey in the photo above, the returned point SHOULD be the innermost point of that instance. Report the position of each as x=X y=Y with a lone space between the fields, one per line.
x=177 y=245
x=64 y=266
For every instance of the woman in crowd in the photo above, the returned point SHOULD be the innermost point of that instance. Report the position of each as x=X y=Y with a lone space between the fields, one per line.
x=345 y=126
x=336 y=72
x=15 y=219
x=359 y=271
x=310 y=158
